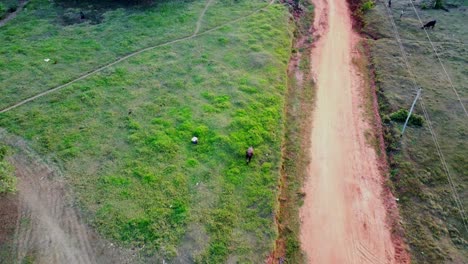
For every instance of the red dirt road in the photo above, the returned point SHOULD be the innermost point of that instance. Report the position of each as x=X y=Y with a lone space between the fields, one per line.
x=344 y=218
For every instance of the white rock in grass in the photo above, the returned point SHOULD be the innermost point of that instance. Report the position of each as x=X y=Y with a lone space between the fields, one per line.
x=47 y=60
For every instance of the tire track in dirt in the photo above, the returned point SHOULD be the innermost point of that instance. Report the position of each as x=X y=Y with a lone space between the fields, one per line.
x=49 y=229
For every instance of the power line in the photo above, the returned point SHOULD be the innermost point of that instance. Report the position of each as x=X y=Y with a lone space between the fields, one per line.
x=440 y=61
x=429 y=123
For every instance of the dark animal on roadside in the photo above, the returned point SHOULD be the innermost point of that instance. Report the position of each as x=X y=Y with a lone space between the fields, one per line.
x=294 y=4
x=130 y=111
x=82 y=16
x=249 y=154
x=430 y=24
x=281 y=260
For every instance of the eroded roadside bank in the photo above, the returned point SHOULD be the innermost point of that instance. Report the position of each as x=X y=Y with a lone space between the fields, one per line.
x=298 y=111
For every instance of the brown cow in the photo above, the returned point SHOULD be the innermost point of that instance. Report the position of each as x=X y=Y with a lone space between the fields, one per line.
x=249 y=154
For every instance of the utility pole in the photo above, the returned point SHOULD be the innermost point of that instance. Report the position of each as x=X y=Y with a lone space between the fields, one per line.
x=411 y=111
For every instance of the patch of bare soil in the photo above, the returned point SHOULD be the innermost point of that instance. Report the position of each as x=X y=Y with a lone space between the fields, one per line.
x=8 y=218
x=49 y=229
x=344 y=217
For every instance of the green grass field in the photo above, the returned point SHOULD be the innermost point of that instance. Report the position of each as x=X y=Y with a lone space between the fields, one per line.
x=37 y=34
x=433 y=226
x=137 y=177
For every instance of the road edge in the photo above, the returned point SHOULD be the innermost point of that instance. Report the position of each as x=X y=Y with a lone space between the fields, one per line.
x=298 y=111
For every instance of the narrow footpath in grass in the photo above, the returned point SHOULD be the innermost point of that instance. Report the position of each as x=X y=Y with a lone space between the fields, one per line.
x=12 y=15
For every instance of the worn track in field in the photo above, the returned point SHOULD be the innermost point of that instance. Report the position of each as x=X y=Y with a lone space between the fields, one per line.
x=12 y=15
x=49 y=228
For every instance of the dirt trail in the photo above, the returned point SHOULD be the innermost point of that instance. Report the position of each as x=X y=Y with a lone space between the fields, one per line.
x=200 y=18
x=12 y=15
x=44 y=218
x=344 y=218
x=49 y=229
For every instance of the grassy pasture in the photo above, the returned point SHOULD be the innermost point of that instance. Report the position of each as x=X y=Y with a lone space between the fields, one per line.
x=37 y=34
x=136 y=176
x=223 y=11
x=433 y=226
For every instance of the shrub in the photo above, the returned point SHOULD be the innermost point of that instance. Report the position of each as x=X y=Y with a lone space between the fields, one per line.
x=438 y=4
x=368 y=5
x=402 y=114
x=386 y=119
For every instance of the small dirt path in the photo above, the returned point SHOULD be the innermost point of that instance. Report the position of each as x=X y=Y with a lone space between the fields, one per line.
x=344 y=218
x=200 y=18
x=97 y=70
x=46 y=219
x=49 y=229
x=12 y=15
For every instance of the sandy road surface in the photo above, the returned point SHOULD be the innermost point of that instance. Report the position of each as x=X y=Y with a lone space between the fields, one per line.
x=344 y=218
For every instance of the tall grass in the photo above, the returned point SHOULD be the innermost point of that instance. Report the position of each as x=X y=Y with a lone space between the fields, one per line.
x=7 y=179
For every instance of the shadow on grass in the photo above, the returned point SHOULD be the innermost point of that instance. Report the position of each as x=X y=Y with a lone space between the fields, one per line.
x=75 y=12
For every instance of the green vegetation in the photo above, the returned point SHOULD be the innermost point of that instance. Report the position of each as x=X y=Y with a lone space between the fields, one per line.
x=433 y=226
x=358 y=9
x=3 y=10
x=122 y=136
x=439 y=4
x=367 y=5
x=7 y=6
x=7 y=179
x=37 y=34
x=299 y=105
x=402 y=114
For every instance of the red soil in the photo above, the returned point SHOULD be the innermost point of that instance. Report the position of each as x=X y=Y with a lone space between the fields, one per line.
x=344 y=217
